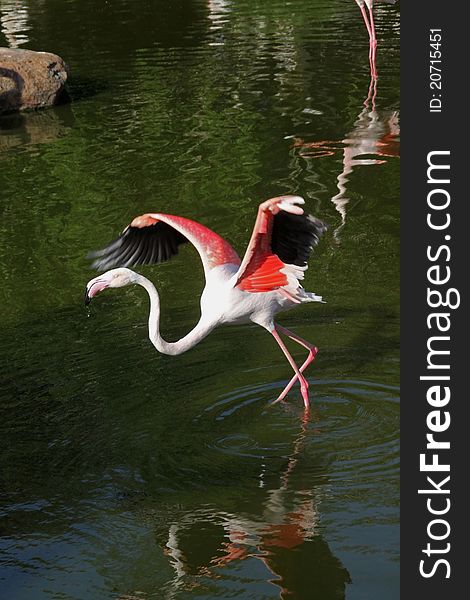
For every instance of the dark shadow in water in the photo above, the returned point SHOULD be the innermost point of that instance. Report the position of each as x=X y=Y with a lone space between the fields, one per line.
x=81 y=88
x=104 y=27
x=373 y=342
x=30 y=128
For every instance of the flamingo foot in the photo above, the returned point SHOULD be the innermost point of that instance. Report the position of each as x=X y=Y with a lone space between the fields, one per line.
x=304 y=392
x=298 y=372
x=313 y=351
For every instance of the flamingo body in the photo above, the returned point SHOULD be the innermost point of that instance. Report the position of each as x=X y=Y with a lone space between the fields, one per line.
x=255 y=289
x=226 y=303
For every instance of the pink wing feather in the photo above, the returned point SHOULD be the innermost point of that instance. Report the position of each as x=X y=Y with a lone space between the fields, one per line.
x=155 y=237
x=281 y=243
x=212 y=248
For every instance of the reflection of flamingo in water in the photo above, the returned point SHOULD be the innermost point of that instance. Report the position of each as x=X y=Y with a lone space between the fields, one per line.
x=288 y=523
x=374 y=134
x=265 y=282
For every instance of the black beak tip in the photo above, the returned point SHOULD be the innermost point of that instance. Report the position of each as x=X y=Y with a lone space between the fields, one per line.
x=87 y=298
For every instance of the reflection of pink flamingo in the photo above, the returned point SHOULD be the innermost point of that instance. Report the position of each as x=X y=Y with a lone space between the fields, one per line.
x=265 y=282
x=281 y=528
x=375 y=134
x=285 y=531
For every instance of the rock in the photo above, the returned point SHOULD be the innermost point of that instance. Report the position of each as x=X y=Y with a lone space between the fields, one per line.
x=30 y=79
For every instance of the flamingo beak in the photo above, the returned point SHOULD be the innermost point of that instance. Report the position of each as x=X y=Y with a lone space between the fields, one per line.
x=94 y=287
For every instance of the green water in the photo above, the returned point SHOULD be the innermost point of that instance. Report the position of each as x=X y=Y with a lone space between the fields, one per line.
x=126 y=474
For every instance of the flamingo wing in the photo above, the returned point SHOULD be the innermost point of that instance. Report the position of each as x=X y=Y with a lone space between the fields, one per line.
x=281 y=243
x=154 y=238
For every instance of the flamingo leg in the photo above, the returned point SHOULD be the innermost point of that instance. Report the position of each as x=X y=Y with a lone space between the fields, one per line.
x=372 y=44
x=298 y=374
x=370 y=26
x=366 y=19
x=312 y=352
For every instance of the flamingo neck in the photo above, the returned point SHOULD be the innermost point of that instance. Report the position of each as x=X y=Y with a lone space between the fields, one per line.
x=199 y=332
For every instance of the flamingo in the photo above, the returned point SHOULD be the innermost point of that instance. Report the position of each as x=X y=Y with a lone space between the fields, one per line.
x=254 y=289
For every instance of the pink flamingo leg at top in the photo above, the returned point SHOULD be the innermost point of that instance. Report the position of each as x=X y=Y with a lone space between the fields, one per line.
x=312 y=352
x=370 y=26
x=366 y=20
x=298 y=375
x=372 y=44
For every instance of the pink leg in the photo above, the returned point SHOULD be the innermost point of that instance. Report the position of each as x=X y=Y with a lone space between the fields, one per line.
x=366 y=20
x=298 y=375
x=370 y=26
x=372 y=44
x=312 y=352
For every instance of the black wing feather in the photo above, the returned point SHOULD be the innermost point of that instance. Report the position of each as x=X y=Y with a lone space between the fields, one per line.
x=155 y=243
x=294 y=236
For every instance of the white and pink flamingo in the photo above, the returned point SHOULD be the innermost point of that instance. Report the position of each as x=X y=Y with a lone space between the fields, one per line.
x=254 y=289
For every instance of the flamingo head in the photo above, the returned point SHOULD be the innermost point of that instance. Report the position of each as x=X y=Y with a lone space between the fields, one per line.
x=111 y=279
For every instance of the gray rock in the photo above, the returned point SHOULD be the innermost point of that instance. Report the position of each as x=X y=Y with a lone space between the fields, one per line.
x=30 y=79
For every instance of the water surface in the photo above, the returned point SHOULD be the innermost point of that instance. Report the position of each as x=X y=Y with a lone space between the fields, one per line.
x=126 y=474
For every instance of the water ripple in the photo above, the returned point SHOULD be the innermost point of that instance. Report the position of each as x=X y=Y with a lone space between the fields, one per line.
x=353 y=426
